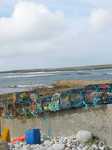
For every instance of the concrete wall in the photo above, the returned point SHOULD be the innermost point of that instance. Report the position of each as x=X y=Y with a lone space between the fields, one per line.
x=98 y=121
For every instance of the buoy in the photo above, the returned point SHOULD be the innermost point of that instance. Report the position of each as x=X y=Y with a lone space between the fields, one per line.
x=18 y=139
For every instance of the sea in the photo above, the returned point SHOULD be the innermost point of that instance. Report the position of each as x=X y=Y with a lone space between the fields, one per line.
x=48 y=78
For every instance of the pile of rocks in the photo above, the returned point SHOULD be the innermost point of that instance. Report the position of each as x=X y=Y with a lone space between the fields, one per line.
x=84 y=140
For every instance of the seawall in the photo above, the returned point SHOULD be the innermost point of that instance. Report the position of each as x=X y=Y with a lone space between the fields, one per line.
x=67 y=122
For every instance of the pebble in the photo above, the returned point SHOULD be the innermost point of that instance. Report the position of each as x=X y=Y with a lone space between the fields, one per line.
x=78 y=142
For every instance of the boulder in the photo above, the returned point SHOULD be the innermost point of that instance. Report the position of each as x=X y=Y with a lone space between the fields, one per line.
x=84 y=136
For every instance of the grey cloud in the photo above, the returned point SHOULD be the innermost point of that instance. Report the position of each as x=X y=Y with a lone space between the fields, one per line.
x=44 y=39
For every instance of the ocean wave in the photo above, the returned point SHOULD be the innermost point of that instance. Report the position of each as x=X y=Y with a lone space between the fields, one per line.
x=32 y=74
x=27 y=76
x=108 y=73
x=29 y=85
x=84 y=72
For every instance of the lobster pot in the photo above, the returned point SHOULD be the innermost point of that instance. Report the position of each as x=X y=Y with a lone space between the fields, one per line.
x=65 y=100
x=33 y=136
x=65 y=104
x=90 y=95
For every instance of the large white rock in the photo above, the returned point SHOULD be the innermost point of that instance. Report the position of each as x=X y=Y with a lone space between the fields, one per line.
x=84 y=136
x=57 y=147
x=47 y=143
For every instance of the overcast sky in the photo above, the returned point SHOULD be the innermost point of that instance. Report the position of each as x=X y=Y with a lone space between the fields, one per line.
x=55 y=33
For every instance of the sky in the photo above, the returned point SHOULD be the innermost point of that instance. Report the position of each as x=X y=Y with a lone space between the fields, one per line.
x=55 y=33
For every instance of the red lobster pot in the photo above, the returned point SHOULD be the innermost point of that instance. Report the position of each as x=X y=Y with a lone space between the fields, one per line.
x=103 y=86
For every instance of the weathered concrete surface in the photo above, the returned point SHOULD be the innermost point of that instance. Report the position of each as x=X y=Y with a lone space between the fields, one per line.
x=98 y=121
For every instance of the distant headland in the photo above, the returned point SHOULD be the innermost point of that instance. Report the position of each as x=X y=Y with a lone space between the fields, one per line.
x=75 y=68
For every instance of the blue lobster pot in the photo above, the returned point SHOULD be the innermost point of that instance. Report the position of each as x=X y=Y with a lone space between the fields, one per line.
x=33 y=136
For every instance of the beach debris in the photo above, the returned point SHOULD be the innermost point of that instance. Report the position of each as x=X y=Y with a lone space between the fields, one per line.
x=83 y=140
x=33 y=136
x=84 y=136
x=5 y=135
